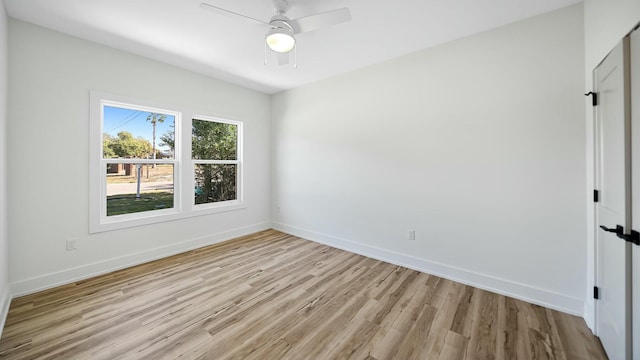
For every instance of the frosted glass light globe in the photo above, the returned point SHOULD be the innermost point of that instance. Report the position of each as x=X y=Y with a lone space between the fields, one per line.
x=279 y=40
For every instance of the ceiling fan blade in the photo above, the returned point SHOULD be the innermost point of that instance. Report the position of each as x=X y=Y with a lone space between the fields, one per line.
x=324 y=19
x=226 y=12
x=283 y=58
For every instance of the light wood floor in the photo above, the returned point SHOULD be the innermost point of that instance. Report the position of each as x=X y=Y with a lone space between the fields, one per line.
x=272 y=296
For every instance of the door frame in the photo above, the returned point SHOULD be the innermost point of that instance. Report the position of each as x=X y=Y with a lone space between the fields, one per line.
x=635 y=187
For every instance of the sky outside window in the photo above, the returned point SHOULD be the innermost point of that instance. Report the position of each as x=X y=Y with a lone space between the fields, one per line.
x=117 y=119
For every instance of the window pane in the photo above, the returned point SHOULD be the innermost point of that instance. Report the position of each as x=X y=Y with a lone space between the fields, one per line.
x=214 y=183
x=130 y=133
x=213 y=140
x=133 y=188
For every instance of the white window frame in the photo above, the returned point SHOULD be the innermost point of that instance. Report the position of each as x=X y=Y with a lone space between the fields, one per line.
x=183 y=170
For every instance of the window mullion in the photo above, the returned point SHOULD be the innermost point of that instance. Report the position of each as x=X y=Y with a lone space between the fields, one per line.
x=214 y=162
x=186 y=176
x=139 y=161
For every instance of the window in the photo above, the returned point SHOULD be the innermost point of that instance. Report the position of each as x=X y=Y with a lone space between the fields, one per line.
x=214 y=151
x=139 y=168
x=146 y=168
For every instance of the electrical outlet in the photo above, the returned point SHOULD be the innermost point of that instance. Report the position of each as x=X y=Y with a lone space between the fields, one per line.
x=411 y=234
x=71 y=244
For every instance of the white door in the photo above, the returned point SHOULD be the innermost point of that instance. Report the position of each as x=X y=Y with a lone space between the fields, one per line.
x=613 y=254
x=635 y=188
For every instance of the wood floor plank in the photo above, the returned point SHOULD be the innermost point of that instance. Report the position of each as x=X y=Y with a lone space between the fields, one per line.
x=483 y=344
x=413 y=346
x=271 y=295
x=455 y=347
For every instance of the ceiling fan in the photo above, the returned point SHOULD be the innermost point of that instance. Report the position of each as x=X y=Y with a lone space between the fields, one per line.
x=281 y=30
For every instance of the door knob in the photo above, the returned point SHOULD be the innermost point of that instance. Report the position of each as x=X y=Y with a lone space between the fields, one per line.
x=618 y=228
x=634 y=237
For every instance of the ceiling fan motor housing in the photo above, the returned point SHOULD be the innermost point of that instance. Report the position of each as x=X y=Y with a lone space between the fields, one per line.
x=281 y=22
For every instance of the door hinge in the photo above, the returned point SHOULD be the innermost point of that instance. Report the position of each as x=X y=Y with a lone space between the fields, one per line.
x=596 y=196
x=596 y=293
x=594 y=97
x=633 y=237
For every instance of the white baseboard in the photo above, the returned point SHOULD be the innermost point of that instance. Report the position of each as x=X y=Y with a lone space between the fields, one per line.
x=589 y=315
x=47 y=281
x=5 y=302
x=549 y=299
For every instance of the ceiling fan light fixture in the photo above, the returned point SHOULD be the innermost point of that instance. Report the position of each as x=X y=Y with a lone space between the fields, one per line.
x=280 y=40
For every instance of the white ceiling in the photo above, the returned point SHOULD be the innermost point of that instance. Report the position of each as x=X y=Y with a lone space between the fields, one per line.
x=179 y=32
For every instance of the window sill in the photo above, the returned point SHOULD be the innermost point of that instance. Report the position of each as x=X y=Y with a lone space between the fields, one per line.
x=124 y=221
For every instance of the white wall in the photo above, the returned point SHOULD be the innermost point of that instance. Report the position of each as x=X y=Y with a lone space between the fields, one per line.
x=606 y=22
x=478 y=145
x=48 y=167
x=4 y=241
